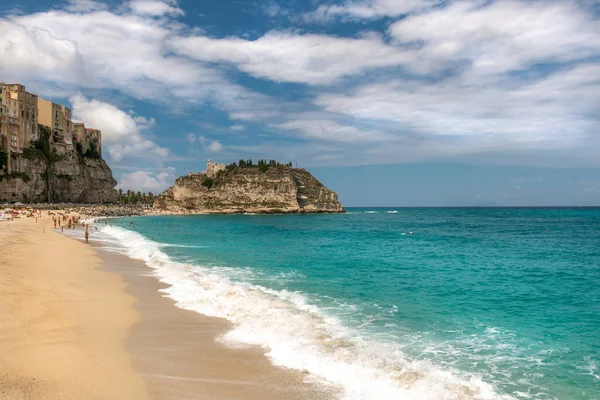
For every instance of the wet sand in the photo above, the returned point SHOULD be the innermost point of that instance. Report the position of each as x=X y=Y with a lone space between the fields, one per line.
x=176 y=352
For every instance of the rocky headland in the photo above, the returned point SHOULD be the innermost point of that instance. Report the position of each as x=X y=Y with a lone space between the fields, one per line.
x=267 y=188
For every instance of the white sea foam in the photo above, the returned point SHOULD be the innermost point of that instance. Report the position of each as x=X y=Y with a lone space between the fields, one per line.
x=298 y=334
x=185 y=246
x=392 y=212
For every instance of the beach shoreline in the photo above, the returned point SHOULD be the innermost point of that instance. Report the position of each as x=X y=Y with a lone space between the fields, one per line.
x=179 y=354
x=62 y=321
x=114 y=320
x=92 y=211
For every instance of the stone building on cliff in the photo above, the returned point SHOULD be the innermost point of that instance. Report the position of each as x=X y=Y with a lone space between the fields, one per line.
x=22 y=107
x=213 y=168
x=59 y=120
x=23 y=114
x=87 y=140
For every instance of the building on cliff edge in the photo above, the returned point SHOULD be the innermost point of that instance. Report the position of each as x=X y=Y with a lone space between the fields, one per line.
x=22 y=107
x=23 y=114
x=87 y=140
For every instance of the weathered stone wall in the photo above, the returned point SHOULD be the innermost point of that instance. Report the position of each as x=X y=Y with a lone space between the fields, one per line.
x=248 y=190
x=73 y=179
x=213 y=168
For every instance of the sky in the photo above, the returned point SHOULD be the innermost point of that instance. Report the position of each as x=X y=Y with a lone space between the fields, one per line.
x=387 y=102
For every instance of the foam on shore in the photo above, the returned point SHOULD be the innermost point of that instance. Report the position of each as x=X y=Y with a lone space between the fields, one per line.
x=297 y=334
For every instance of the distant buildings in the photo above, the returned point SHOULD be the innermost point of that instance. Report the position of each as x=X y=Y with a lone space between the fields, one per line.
x=58 y=119
x=21 y=107
x=24 y=115
x=87 y=140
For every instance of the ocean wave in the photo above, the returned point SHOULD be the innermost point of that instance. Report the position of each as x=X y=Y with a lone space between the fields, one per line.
x=184 y=246
x=298 y=334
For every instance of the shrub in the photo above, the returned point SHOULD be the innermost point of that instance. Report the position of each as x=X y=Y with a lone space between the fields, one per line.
x=263 y=167
x=208 y=182
x=32 y=153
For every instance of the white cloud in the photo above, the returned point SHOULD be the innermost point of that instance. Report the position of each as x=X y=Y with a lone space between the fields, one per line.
x=155 y=8
x=237 y=128
x=147 y=181
x=121 y=131
x=36 y=52
x=368 y=9
x=85 y=6
x=289 y=57
x=215 y=146
x=332 y=131
x=499 y=37
x=65 y=51
x=211 y=146
x=548 y=113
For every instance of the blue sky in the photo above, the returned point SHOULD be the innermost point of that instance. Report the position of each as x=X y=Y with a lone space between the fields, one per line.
x=388 y=102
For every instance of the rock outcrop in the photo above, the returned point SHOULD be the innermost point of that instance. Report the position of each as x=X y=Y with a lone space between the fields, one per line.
x=279 y=189
x=71 y=179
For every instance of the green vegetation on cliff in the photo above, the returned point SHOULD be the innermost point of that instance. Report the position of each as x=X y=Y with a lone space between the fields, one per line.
x=262 y=165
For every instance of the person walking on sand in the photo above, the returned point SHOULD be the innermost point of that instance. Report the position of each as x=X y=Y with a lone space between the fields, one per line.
x=87 y=234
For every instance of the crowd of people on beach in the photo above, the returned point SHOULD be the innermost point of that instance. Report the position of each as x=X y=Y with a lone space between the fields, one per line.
x=60 y=221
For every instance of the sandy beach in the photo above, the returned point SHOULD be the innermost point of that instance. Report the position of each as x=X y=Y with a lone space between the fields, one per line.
x=77 y=322
x=62 y=321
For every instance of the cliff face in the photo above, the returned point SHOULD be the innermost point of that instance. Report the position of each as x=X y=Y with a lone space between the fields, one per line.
x=248 y=190
x=72 y=179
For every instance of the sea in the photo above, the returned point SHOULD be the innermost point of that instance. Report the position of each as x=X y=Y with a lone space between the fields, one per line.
x=394 y=303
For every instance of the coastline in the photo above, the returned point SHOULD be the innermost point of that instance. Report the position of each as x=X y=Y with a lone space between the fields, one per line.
x=62 y=321
x=179 y=355
x=116 y=210
x=103 y=312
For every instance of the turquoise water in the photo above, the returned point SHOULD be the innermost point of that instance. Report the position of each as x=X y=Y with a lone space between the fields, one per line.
x=478 y=303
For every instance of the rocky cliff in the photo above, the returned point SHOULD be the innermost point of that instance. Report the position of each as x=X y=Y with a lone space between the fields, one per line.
x=71 y=178
x=221 y=190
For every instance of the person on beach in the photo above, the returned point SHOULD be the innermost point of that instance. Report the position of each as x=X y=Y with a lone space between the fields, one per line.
x=87 y=234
